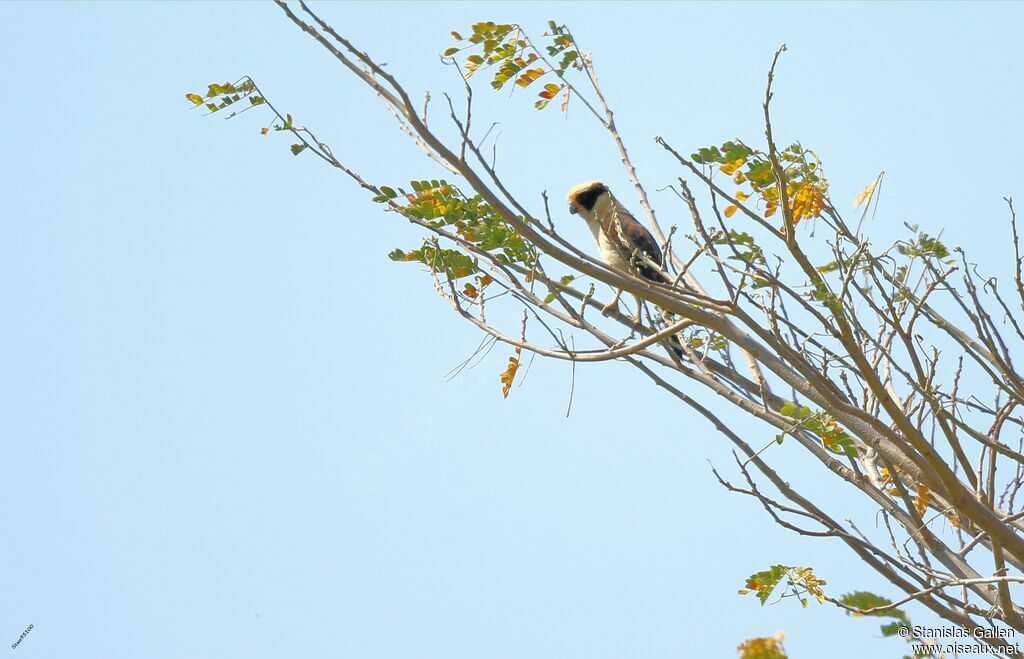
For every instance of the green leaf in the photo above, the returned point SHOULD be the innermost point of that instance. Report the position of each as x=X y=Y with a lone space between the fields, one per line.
x=567 y=59
x=793 y=411
x=925 y=245
x=451 y=51
x=864 y=600
x=733 y=151
x=891 y=629
x=298 y=148
x=764 y=582
x=707 y=155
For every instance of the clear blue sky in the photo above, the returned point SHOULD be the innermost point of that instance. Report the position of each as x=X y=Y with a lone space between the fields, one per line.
x=226 y=430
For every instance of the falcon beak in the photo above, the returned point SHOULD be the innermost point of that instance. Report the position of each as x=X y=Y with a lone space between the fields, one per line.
x=572 y=209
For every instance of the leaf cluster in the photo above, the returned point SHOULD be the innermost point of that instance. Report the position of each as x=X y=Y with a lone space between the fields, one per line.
x=442 y=205
x=822 y=424
x=221 y=95
x=799 y=582
x=504 y=48
x=805 y=185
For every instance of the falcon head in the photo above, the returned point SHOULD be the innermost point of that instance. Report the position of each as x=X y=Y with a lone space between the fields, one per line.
x=589 y=199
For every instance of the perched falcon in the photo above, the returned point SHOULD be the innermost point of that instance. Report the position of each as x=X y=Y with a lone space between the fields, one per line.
x=623 y=241
x=625 y=244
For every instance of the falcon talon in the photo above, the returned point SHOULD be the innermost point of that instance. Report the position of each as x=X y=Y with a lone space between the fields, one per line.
x=613 y=305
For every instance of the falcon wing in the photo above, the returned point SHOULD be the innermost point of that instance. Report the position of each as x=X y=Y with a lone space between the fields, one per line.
x=630 y=235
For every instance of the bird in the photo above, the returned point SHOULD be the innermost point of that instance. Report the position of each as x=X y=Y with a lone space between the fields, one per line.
x=624 y=243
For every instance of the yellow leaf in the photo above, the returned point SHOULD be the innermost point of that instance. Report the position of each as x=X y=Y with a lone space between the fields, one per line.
x=509 y=375
x=731 y=167
x=762 y=648
x=806 y=201
x=741 y=195
x=730 y=211
x=922 y=500
x=263 y=131
x=866 y=193
x=195 y=98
